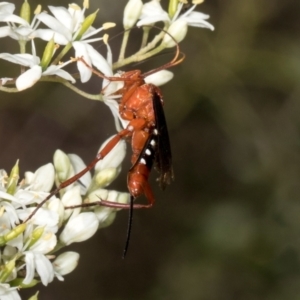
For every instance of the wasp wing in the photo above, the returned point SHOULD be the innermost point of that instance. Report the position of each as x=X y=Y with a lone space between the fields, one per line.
x=163 y=155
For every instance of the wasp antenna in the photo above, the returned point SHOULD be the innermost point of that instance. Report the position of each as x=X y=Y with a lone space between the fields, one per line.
x=176 y=59
x=129 y=227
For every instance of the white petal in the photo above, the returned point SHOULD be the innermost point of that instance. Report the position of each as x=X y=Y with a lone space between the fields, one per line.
x=55 y=25
x=7 y=196
x=63 y=16
x=99 y=61
x=81 y=51
x=46 y=243
x=114 y=107
x=30 y=197
x=62 y=165
x=44 y=268
x=13 y=19
x=26 y=60
x=24 y=31
x=114 y=158
x=178 y=31
x=152 y=19
x=8 y=293
x=197 y=19
x=43 y=179
x=29 y=78
x=6 y=31
x=43 y=217
x=48 y=34
x=79 y=228
x=56 y=70
x=159 y=78
x=10 y=213
x=78 y=166
x=132 y=12
x=55 y=205
x=152 y=12
x=70 y=198
x=7 y=8
x=30 y=267
x=66 y=262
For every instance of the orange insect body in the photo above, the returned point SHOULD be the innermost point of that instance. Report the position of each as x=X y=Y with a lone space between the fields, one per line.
x=141 y=105
x=136 y=106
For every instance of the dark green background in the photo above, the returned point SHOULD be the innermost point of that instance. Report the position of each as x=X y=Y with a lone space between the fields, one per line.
x=229 y=227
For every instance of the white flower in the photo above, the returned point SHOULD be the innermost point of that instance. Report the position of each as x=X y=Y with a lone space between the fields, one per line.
x=91 y=57
x=22 y=30
x=132 y=12
x=114 y=158
x=79 y=228
x=78 y=165
x=66 y=262
x=35 y=71
x=159 y=78
x=42 y=179
x=8 y=293
x=66 y=24
x=42 y=265
x=45 y=243
x=70 y=198
x=152 y=12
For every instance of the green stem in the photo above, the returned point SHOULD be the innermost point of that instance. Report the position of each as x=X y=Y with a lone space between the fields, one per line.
x=97 y=97
x=137 y=57
x=124 y=45
x=69 y=85
x=8 y=90
x=22 y=44
x=140 y=55
x=146 y=31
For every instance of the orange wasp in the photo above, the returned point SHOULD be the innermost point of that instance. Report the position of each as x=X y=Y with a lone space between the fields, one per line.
x=141 y=104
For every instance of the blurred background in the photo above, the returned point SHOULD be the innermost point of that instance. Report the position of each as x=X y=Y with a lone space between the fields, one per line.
x=229 y=226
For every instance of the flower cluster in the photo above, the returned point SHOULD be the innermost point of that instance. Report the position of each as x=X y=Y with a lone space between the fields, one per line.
x=28 y=249
x=29 y=241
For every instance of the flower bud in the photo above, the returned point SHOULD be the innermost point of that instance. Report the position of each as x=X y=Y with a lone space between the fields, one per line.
x=48 y=53
x=86 y=24
x=178 y=31
x=66 y=262
x=79 y=228
x=25 y=11
x=44 y=242
x=13 y=179
x=62 y=165
x=106 y=215
x=35 y=296
x=159 y=78
x=19 y=283
x=55 y=205
x=7 y=269
x=35 y=236
x=78 y=165
x=114 y=158
x=173 y=4
x=70 y=198
x=12 y=234
x=105 y=177
x=42 y=180
x=132 y=12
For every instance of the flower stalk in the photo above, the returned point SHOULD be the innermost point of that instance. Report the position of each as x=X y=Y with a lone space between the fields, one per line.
x=34 y=222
